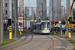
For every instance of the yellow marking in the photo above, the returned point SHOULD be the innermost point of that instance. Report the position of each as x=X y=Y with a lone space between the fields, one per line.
x=45 y=30
x=10 y=30
x=10 y=35
x=10 y=26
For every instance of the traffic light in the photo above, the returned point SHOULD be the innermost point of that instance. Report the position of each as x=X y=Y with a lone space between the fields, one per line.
x=9 y=21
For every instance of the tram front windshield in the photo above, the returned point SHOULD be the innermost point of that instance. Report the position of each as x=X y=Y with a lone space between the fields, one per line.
x=45 y=25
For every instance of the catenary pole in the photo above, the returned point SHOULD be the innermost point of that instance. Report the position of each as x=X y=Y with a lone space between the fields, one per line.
x=16 y=18
x=1 y=21
x=68 y=13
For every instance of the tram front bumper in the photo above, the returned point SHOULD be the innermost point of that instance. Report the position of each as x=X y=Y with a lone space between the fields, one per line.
x=45 y=31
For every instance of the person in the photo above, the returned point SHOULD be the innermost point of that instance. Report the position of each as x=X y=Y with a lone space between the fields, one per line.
x=5 y=28
x=31 y=29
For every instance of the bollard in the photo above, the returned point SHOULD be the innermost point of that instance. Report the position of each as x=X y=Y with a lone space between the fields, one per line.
x=20 y=33
x=10 y=32
x=61 y=32
x=69 y=35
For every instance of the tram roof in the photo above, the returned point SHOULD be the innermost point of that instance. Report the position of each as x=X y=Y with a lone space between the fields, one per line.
x=45 y=21
x=37 y=23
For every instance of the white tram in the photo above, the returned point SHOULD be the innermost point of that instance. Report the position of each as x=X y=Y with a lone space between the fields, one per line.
x=41 y=27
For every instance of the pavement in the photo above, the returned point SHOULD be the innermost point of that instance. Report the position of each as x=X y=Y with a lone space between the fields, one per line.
x=39 y=42
x=64 y=36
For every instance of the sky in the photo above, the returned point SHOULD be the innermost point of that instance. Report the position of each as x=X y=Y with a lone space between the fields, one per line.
x=32 y=3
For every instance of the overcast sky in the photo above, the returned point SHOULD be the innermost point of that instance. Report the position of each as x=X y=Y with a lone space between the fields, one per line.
x=32 y=3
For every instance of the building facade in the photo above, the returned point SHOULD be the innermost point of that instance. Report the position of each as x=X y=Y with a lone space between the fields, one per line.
x=41 y=9
x=6 y=9
x=55 y=10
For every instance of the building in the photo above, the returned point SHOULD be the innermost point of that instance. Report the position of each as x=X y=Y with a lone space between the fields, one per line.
x=10 y=14
x=41 y=9
x=26 y=13
x=6 y=9
x=13 y=10
x=55 y=10
x=63 y=18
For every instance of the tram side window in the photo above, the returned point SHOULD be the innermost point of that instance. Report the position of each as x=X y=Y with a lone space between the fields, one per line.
x=39 y=27
x=34 y=27
x=42 y=26
x=48 y=25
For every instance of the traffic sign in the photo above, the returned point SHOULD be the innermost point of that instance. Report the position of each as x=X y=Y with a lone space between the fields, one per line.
x=59 y=21
x=59 y=24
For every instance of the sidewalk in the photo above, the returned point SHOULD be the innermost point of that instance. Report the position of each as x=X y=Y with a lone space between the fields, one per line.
x=64 y=36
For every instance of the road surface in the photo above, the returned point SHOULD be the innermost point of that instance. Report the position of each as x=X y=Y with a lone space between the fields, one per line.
x=40 y=42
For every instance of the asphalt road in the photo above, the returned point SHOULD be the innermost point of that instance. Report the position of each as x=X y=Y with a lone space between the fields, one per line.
x=44 y=42
x=39 y=42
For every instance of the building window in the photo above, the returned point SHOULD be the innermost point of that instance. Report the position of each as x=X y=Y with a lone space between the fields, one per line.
x=6 y=4
x=6 y=12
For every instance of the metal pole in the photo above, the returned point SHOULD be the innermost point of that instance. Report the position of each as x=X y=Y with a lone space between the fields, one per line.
x=1 y=21
x=52 y=16
x=68 y=13
x=64 y=11
x=16 y=18
x=45 y=10
x=25 y=20
x=42 y=11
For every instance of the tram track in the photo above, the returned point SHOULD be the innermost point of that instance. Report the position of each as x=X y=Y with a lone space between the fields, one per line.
x=17 y=44
x=53 y=43
x=62 y=43
x=25 y=42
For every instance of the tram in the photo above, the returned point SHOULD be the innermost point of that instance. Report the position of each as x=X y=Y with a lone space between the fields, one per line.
x=41 y=27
